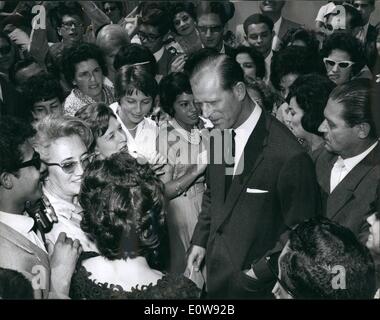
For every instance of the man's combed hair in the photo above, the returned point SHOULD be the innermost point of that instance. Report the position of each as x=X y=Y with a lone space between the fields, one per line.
x=13 y=134
x=319 y=247
x=257 y=18
x=355 y=96
x=123 y=205
x=229 y=71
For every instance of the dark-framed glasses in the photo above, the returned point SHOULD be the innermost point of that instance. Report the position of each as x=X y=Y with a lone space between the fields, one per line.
x=341 y=64
x=71 y=24
x=150 y=37
x=34 y=162
x=69 y=167
x=213 y=29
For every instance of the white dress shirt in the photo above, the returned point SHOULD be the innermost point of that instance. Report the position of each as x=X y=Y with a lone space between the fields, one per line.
x=144 y=142
x=158 y=55
x=268 y=61
x=243 y=133
x=23 y=224
x=342 y=167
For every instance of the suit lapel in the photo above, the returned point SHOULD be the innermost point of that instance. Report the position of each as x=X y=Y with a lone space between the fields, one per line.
x=344 y=191
x=251 y=158
x=325 y=172
x=20 y=241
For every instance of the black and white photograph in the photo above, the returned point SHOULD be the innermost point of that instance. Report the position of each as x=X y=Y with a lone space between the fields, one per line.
x=204 y=152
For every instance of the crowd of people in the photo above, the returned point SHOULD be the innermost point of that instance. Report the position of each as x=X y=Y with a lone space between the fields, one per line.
x=149 y=152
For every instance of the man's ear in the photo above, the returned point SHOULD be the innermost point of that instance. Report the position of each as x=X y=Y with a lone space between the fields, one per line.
x=59 y=32
x=240 y=90
x=6 y=180
x=363 y=130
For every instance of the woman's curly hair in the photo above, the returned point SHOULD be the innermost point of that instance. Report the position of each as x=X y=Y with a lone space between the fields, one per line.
x=123 y=207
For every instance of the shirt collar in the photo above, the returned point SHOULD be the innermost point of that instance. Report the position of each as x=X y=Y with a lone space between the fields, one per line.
x=223 y=50
x=248 y=125
x=21 y=223
x=350 y=163
x=158 y=55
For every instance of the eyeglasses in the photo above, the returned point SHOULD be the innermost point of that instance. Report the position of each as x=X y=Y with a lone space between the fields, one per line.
x=271 y=262
x=213 y=29
x=69 y=25
x=5 y=50
x=69 y=167
x=35 y=162
x=150 y=37
x=341 y=64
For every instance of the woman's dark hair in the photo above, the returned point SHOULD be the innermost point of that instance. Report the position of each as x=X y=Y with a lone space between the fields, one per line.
x=311 y=92
x=135 y=53
x=42 y=87
x=318 y=250
x=178 y=7
x=131 y=78
x=4 y=36
x=294 y=60
x=309 y=37
x=123 y=205
x=76 y=54
x=96 y=116
x=256 y=57
x=69 y=8
x=171 y=86
x=349 y=44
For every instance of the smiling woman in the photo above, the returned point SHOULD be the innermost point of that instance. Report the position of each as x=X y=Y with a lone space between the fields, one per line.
x=63 y=143
x=84 y=68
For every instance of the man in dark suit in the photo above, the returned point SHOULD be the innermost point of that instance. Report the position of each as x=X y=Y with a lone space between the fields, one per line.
x=368 y=34
x=250 y=205
x=273 y=10
x=21 y=245
x=348 y=167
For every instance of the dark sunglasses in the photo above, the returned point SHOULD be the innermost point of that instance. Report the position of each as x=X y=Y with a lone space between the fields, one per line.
x=272 y=263
x=150 y=37
x=5 y=50
x=35 y=162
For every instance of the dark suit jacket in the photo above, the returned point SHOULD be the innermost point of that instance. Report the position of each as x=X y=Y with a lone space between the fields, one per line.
x=163 y=65
x=370 y=50
x=18 y=253
x=349 y=203
x=13 y=103
x=239 y=231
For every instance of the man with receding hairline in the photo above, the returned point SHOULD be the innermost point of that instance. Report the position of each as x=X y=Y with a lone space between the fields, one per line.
x=272 y=187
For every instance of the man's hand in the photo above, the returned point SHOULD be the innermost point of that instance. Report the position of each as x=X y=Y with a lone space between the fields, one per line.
x=195 y=258
x=63 y=259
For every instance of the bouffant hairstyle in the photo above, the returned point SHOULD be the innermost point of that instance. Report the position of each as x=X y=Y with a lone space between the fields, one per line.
x=54 y=127
x=123 y=206
x=156 y=15
x=135 y=77
x=42 y=87
x=96 y=116
x=170 y=88
x=319 y=247
x=347 y=43
x=294 y=60
x=256 y=57
x=309 y=37
x=311 y=92
x=76 y=54
x=178 y=7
